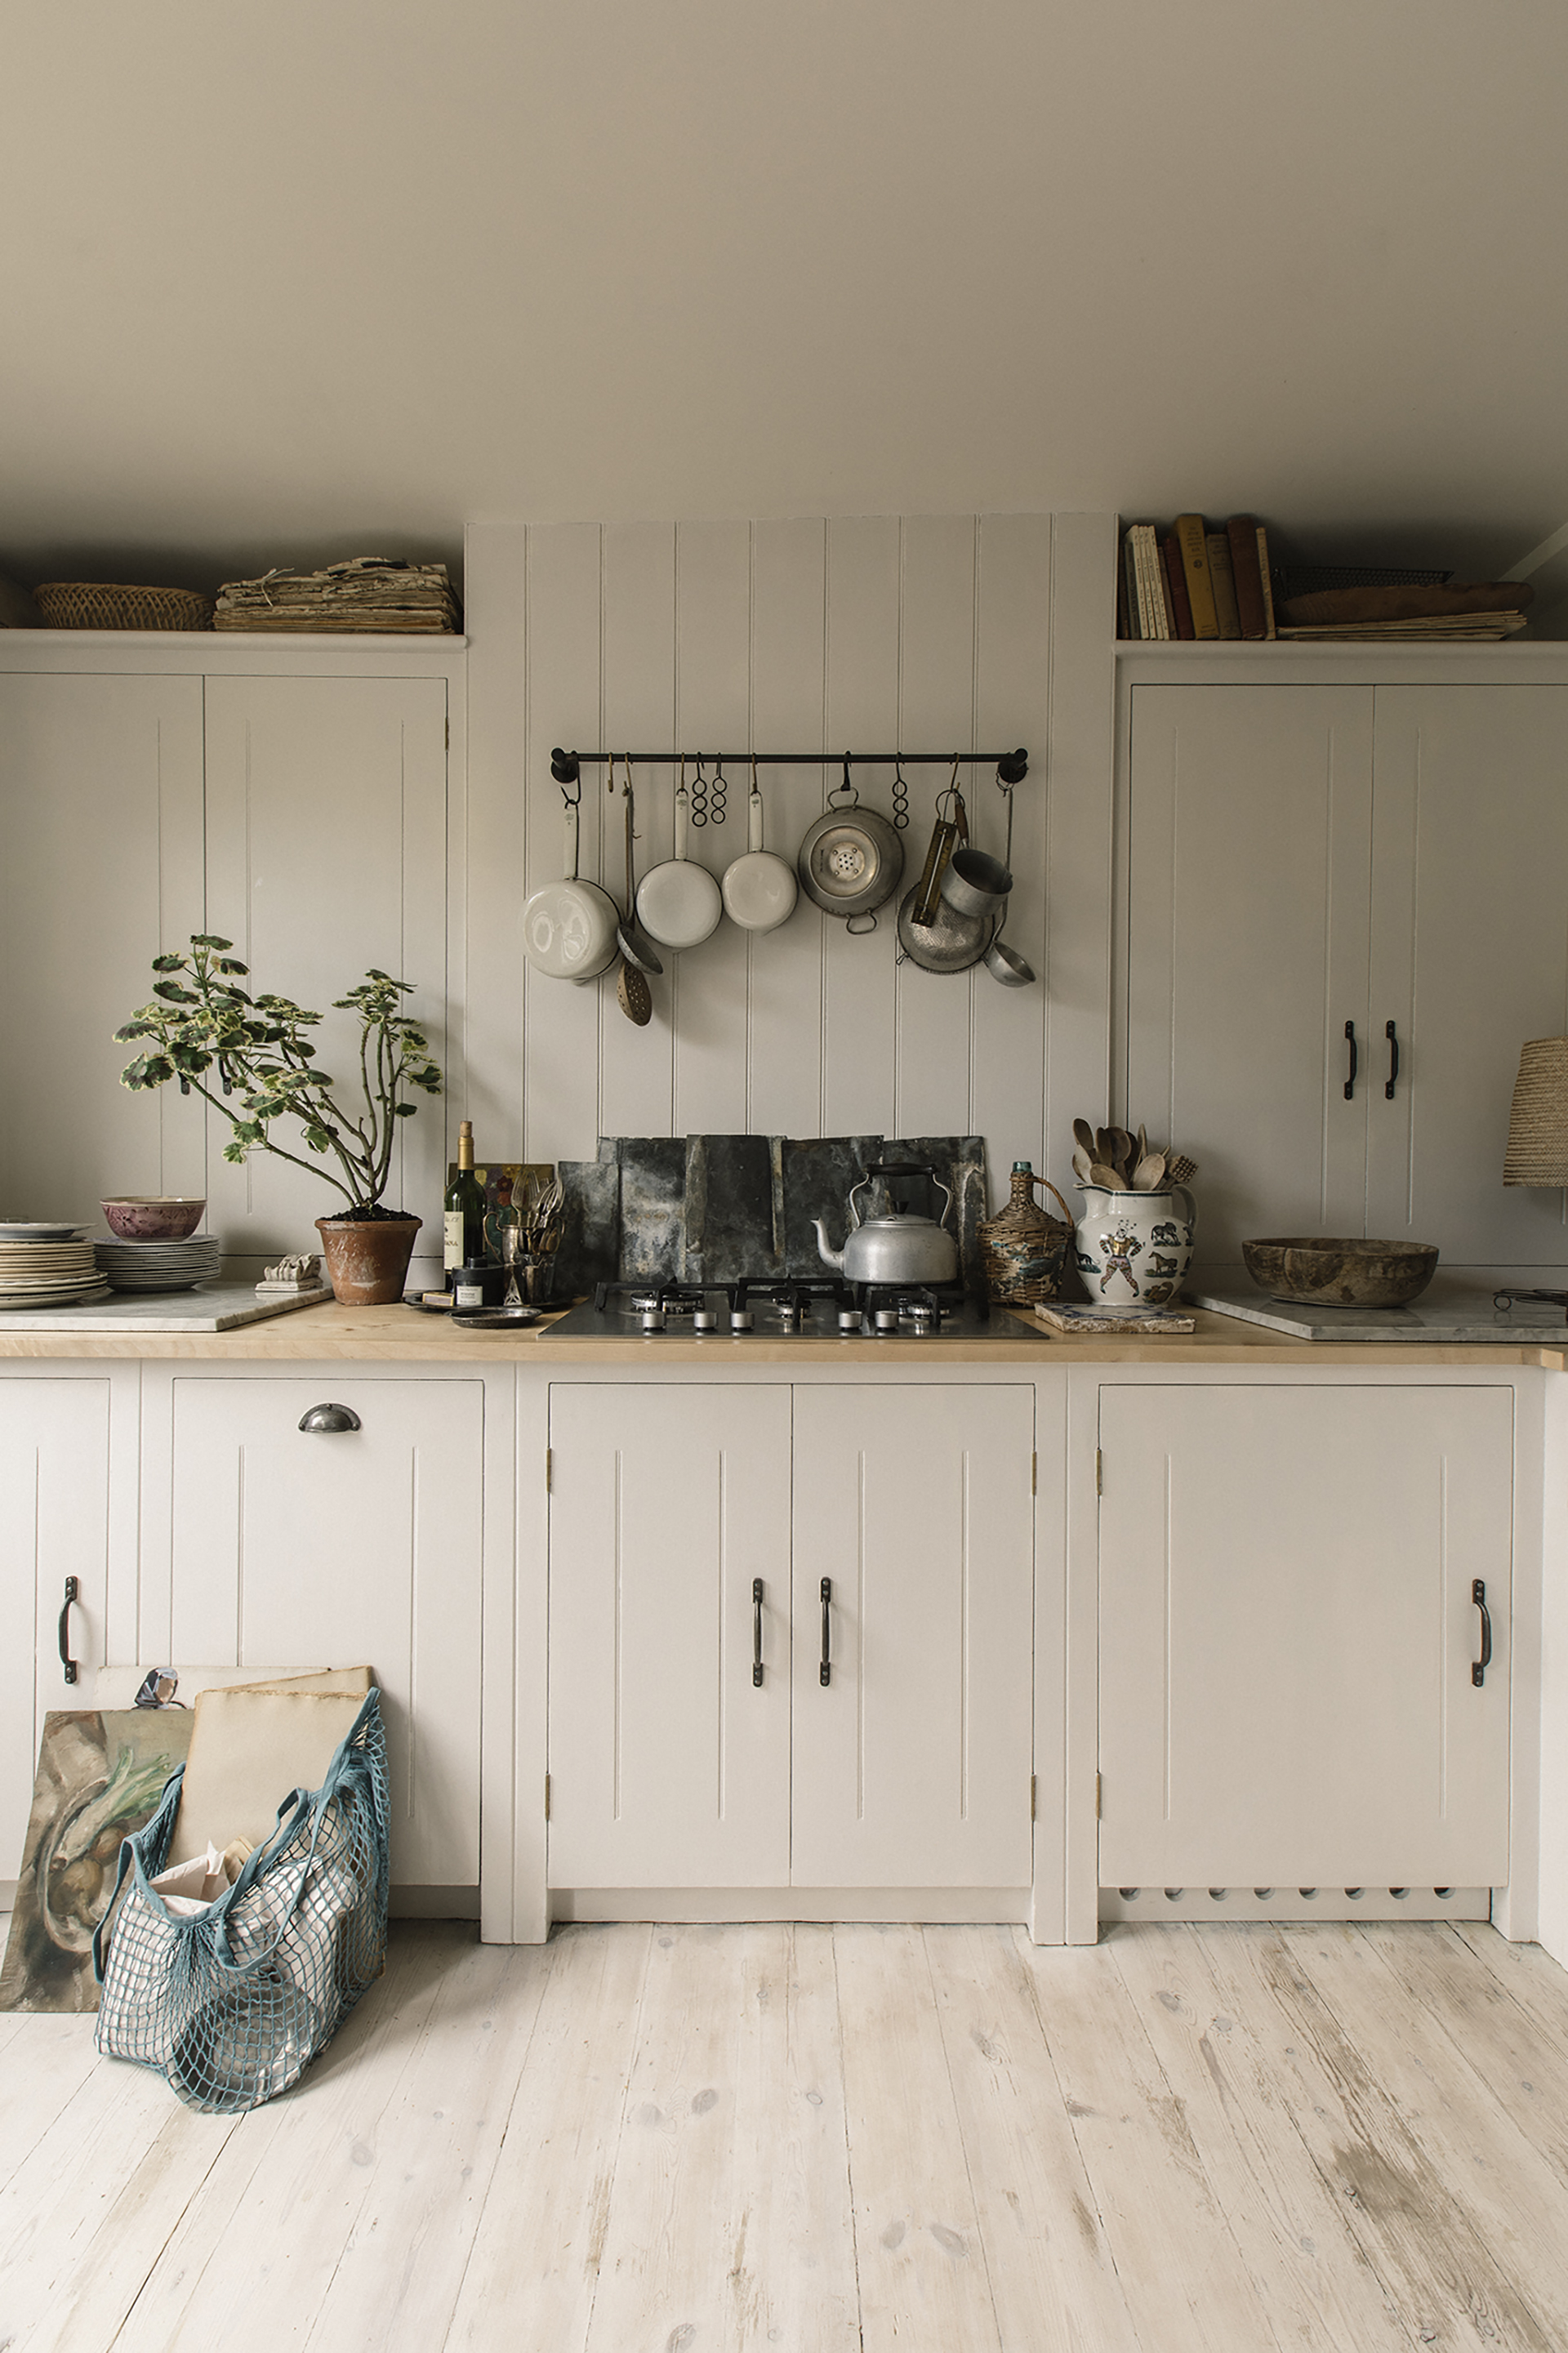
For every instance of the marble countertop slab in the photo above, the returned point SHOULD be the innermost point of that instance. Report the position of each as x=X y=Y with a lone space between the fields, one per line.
x=1448 y=1314
x=210 y=1307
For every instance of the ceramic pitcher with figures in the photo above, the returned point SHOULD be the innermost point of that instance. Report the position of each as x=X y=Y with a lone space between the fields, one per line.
x=1134 y=1249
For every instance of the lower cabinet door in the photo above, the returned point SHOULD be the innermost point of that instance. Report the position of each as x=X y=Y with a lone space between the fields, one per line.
x=1288 y=1634
x=913 y=1680
x=346 y=1547
x=669 y=1753
x=54 y=1525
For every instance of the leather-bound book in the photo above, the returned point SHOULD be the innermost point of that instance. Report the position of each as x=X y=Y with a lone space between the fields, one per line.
x=1176 y=584
x=1242 y=532
x=1190 y=535
x=1224 y=582
x=1130 y=585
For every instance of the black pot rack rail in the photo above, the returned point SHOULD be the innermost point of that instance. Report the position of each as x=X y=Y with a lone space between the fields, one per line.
x=1011 y=767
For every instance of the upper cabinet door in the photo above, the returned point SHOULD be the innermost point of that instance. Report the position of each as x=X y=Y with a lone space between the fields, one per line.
x=1471 y=958
x=100 y=785
x=1248 y=930
x=327 y=826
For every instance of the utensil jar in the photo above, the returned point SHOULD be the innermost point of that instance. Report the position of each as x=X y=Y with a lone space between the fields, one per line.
x=1133 y=1249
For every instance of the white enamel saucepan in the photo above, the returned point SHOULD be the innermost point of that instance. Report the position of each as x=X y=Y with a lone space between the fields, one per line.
x=679 y=903
x=759 y=888
x=569 y=927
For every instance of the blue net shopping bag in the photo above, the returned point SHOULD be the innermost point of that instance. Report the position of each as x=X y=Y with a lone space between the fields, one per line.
x=232 y=2004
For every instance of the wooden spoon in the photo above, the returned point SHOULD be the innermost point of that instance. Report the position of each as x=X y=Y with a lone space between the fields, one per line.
x=1122 y=1154
x=1082 y=1165
x=1083 y=1134
x=1109 y=1180
x=1150 y=1173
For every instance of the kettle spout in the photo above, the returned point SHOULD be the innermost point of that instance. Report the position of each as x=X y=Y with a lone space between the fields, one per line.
x=830 y=1256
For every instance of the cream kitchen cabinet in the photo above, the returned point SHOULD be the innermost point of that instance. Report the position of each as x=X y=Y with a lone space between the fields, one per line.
x=790 y=1635
x=1301 y=857
x=1291 y=1632
x=54 y=1568
x=265 y=1543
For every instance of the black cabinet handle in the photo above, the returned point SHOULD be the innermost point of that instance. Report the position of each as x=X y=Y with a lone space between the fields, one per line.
x=756 y=1629
x=824 y=1671
x=331 y=1418
x=1392 y=1034
x=1479 y=1596
x=1349 y=1077
x=73 y=1593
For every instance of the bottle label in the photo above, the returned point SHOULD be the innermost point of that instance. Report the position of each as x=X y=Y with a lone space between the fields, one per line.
x=471 y=1294
x=452 y=1251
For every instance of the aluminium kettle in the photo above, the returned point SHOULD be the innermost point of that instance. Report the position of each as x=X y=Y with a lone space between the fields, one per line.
x=899 y=1248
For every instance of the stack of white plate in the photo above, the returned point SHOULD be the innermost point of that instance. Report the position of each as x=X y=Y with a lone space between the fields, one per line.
x=161 y=1266
x=47 y=1266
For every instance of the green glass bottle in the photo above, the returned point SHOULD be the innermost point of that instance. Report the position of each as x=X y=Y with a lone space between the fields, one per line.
x=464 y=1221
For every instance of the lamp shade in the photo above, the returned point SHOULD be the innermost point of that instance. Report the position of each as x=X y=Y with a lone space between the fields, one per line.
x=1538 y=1123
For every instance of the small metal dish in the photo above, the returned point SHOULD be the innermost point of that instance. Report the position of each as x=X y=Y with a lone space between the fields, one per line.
x=497 y=1319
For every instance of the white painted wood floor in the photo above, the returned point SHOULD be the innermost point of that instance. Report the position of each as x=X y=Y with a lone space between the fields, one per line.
x=662 y=2140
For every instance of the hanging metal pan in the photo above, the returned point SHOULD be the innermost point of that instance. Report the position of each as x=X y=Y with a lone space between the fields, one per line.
x=569 y=927
x=851 y=860
x=951 y=941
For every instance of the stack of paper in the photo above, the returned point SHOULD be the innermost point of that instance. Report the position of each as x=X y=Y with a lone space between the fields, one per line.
x=367 y=592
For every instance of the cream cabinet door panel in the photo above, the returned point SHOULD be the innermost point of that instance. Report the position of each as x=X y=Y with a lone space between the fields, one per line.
x=351 y=1548
x=913 y=1763
x=1248 y=924
x=668 y=1763
x=1471 y=958
x=101 y=794
x=327 y=821
x=1287 y=1632
x=54 y=1524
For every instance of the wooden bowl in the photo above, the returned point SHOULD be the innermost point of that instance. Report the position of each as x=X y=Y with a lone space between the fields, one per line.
x=1320 y=1271
x=154 y=1217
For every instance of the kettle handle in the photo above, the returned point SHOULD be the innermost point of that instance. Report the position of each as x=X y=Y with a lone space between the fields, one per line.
x=908 y=1168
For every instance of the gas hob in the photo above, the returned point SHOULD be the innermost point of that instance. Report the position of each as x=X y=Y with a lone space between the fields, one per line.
x=774 y=1309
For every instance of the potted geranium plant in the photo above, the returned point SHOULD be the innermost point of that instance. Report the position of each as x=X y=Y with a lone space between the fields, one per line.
x=251 y=1058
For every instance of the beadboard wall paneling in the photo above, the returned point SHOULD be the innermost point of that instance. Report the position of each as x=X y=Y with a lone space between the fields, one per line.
x=929 y=631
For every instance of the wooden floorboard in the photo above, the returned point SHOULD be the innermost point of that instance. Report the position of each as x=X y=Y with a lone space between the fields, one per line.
x=1323 y=2139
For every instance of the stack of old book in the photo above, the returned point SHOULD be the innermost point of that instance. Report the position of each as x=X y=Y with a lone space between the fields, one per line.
x=1192 y=582
x=1453 y=612
x=368 y=592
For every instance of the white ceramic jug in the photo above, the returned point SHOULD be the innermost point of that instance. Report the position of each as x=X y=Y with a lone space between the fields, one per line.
x=1134 y=1249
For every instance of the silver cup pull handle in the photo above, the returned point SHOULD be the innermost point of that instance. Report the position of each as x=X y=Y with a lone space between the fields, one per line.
x=331 y=1418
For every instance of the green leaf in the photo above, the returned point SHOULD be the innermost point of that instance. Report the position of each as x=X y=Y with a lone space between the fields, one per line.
x=174 y=993
x=168 y=964
x=231 y=963
x=210 y=940
x=234 y=1150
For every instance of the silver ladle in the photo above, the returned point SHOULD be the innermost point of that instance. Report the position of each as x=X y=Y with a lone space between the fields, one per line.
x=1003 y=963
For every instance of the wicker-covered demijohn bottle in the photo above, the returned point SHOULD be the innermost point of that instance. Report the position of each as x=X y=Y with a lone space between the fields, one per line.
x=1024 y=1249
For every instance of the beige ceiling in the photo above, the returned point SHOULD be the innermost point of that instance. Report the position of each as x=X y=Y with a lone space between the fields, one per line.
x=284 y=280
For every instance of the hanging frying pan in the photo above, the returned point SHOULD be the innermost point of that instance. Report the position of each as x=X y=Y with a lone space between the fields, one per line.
x=569 y=927
x=679 y=903
x=759 y=888
x=851 y=859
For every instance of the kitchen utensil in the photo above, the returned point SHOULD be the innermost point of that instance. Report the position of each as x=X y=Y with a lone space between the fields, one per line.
x=1003 y=963
x=1108 y=1179
x=679 y=903
x=945 y=839
x=759 y=888
x=1134 y=1249
x=1149 y=1174
x=1319 y=1269
x=948 y=942
x=975 y=883
x=1180 y=1169
x=635 y=945
x=154 y=1217
x=1083 y=1136
x=898 y=1248
x=634 y=995
x=1082 y=1165
x=497 y=1319
x=850 y=860
x=569 y=927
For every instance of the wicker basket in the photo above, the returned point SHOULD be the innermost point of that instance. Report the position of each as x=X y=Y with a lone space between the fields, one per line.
x=96 y=605
x=1024 y=1250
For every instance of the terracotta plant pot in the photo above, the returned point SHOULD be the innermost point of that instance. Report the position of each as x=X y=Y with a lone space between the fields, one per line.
x=367 y=1257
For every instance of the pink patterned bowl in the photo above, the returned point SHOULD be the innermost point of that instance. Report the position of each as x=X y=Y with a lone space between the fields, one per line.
x=154 y=1217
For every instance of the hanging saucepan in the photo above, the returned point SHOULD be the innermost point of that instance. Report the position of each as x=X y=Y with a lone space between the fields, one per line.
x=569 y=928
x=951 y=941
x=759 y=888
x=679 y=903
x=851 y=860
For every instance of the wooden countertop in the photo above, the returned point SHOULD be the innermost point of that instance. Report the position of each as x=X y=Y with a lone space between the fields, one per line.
x=396 y=1335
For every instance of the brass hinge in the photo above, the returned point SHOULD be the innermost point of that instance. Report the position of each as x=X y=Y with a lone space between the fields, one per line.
x=547 y=1797
x=549 y=1463
x=1098 y=1792
x=1032 y=1788
x=1034 y=1475
x=1098 y=1471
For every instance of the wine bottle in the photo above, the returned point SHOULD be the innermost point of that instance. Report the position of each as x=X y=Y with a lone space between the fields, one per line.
x=464 y=1221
